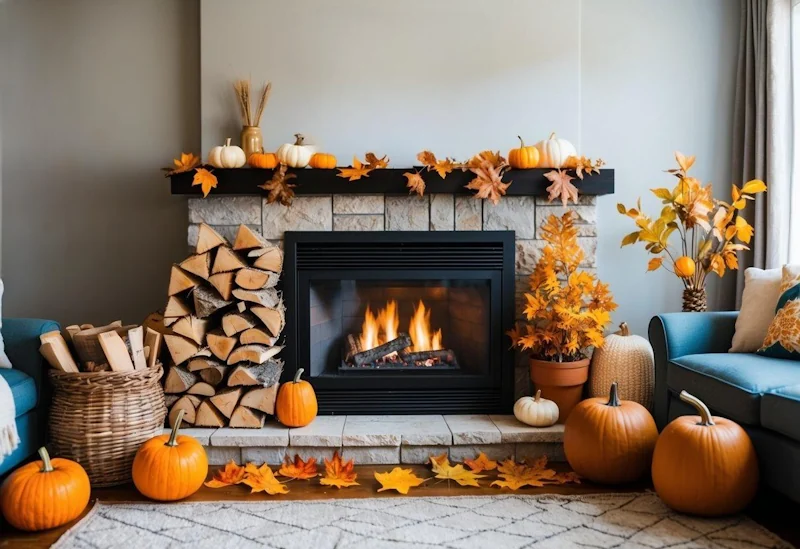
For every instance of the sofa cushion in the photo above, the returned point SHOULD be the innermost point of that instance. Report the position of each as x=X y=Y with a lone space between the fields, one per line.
x=23 y=389
x=780 y=409
x=730 y=383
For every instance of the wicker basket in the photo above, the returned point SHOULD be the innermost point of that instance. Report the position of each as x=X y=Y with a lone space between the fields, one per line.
x=100 y=419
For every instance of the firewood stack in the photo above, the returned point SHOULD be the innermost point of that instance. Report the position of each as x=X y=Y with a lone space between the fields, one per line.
x=223 y=319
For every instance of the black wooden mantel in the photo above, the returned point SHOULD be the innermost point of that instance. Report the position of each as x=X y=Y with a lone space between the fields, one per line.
x=245 y=181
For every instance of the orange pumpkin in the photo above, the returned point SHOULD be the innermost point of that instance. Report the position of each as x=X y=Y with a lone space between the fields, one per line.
x=323 y=161
x=610 y=441
x=263 y=160
x=296 y=405
x=170 y=467
x=524 y=157
x=705 y=465
x=44 y=494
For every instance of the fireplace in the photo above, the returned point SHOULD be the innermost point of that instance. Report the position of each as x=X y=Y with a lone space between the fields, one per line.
x=401 y=322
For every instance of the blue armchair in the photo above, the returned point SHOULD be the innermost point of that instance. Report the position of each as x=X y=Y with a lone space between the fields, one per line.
x=28 y=385
x=762 y=394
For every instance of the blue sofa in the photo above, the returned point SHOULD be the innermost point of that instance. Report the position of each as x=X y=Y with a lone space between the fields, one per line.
x=28 y=385
x=761 y=394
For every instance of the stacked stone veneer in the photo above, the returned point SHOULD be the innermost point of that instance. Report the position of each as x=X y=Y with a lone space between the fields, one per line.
x=369 y=212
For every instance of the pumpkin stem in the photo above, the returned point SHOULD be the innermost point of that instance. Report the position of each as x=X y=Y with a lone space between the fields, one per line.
x=699 y=405
x=298 y=374
x=299 y=138
x=552 y=135
x=613 y=396
x=521 y=142
x=174 y=433
x=624 y=330
x=538 y=395
x=47 y=466
x=228 y=142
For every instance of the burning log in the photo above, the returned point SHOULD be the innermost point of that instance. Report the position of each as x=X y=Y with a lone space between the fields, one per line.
x=376 y=353
x=445 y=356
x=353 y=347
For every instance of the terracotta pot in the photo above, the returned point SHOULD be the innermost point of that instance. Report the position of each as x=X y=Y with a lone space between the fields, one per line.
x=561 y=382
x=252 y=140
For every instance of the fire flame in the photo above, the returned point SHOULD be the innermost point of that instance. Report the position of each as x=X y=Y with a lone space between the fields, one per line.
x=383 y=327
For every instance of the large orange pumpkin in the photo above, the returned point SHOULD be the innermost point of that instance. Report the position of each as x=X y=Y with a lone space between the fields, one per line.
x=610 y=441
x=44 y=494
x=296 y=405
x=705 y=465
x=170 y=467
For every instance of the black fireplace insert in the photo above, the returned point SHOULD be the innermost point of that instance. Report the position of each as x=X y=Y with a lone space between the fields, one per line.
x=401 y=322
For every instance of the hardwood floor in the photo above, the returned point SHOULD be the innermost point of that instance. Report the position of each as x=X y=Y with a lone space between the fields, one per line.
x=775 y=512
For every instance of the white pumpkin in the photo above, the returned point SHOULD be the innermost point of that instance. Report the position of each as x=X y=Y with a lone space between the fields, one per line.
x=295 y=155
x=227 y=156
x=553 y=152
x=536 y=411
x=627 y=359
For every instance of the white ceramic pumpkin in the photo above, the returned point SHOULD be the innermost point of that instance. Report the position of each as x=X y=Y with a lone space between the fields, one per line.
x=553 y=151
x=295 y=155
x=536 y=411
x=628 y=360
x=227 y=156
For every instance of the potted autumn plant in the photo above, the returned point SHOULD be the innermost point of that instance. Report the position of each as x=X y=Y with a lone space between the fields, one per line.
x=566 y=310
x=711 y=231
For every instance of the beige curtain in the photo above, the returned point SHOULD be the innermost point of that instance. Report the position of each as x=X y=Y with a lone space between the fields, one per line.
x=763 y=132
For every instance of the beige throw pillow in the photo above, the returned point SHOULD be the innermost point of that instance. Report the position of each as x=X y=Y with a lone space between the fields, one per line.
x=762 y=288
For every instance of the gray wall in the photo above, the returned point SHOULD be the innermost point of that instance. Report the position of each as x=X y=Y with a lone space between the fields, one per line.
x=95 y=97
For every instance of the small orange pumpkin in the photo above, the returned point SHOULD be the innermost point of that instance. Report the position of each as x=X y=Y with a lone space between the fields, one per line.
x=705 y=465
x=610 y=441
x=45 y=494
x=324 y=161
x=170 y=467
x=523 y=158
x=263 y=160
x=296 y=405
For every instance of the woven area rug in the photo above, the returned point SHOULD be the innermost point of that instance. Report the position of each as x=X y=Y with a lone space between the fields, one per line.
x=462 y=522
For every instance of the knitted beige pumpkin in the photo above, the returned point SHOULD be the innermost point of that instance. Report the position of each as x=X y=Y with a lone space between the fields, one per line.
x=628 y=360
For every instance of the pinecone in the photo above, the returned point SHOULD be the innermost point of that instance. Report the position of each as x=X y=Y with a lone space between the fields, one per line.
x=694 y=300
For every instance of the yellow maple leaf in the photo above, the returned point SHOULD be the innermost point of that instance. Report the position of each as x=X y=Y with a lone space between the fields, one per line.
x=339 y=473
x=444 y=167
x=262 y=479
x=299 y=469
x=482 y=462
x=228 y=475
x=444 y=470
x=186 y=162
x=516 y=475
x=398 y=479
x=356 y=171
x=416 y=183
x=375 y=163
x=205 y=179
x=744 y=231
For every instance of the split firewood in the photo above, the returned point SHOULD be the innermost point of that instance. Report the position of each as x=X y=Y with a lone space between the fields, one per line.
x=71 y=331
x=214 y=375
x=169 y=400
x=176 y=307
x=87 y=344
x=241 y=306
x=155 y=321
x=255 y=279
x=226 y=400
x=169 y=321
x=198 y=264
x=262 y=398
x=255 y=354
x=227 y=260
x=247 y=239
x=188 y=406
x=223 y=282
x=247 y=418
x=203 y=363
x=179 y=380
x=233 y=323
x=266 y=374
x=152 y=339
x=116 y=351
x=270 y=260
x=57 y=357
x=208 y=239
x=180 y=281
x=353 y=347
x=268 y=297
x=257 y=335
x=204 y=352
x=180 y=348
x=95 y=367
x=207 y=301
x=274 y=318
x=87 y=326
x=136 y=341
x=220 y=344
x=207 y=415
x=202 y=388
x=192 y=327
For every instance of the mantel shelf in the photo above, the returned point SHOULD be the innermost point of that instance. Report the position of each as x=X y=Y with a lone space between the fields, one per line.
x=245 y=181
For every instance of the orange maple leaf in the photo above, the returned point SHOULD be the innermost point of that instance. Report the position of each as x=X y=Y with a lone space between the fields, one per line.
x=445 y=471
x=375 y=163
x=415 y=183
x=262 y=479
x=494 y=158
x=186 y=162
x=230 y=474
x=516 y=475
x=280 y=190
x=356 y=171
x=489 y=182
x=482 y=462
x=444 y=167
x=561 y=187
x=299 y=470
x=583 y=165
x=338 y=473
x=205 y=179
x=398 y=479
x=427 y=158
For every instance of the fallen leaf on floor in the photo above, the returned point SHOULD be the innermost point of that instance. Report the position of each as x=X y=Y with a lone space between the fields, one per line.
x=516 y=475
x=228 y=475
x=398 y=479
x=186 y=162
x=561 y=187
x=339 y=473
x=375 y=163
x=205 y=179
x=481 y=463
x=299 y=469
x=444 y=470
x=415 y=183
x=356 y=171
x=262 y=479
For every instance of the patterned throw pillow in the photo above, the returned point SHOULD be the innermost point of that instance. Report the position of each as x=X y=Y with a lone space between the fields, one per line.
x=783 y=336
